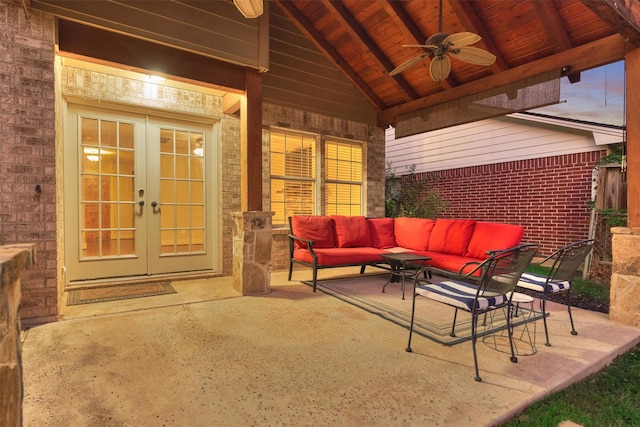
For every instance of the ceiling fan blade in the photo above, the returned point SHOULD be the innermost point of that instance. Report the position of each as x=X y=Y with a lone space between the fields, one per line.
x=440 y=67
x=473 y=55
x=400 y=68
x=426 y=46
x=461 y=39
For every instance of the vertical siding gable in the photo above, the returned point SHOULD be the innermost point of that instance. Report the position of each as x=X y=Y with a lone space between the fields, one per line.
x=301 y=77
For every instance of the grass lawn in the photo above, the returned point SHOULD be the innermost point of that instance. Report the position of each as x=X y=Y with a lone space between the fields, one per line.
x=610 y=397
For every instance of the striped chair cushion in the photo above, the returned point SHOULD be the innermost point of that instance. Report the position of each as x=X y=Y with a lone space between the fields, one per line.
x=536 y=283
x=460 y=295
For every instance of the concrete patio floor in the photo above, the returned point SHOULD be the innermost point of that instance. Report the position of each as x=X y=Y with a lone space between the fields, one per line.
x=207 y=357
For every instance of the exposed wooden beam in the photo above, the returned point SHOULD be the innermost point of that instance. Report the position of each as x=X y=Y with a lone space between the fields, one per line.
x=397 y=11
x=553 y=26
x=555 y=30
x=251 y=143
x=360 y=35
x=604 y=51
x=470 y=21
x=622 y=15
x=330 y=52
x=633 y=138
x=231 y=103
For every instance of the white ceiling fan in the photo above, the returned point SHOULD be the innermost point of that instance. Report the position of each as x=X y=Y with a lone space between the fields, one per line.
x=441 y=44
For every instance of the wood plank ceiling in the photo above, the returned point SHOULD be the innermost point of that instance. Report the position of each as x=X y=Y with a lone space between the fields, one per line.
x=528 y=37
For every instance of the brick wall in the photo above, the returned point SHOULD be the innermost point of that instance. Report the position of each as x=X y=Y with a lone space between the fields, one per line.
x=27 y=150
x=547 y=196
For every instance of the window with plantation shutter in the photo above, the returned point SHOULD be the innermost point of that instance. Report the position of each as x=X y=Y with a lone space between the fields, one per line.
x=343 y=178
x=295 y=180
x=293 y=175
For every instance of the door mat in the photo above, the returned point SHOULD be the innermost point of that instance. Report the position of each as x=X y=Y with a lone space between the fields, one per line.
x=119 y=292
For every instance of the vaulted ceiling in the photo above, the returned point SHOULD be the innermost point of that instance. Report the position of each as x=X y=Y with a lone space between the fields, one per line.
x=365 y=39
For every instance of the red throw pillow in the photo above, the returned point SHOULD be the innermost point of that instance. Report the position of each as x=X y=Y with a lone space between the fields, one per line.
x=413 y=233
x=351 y=231
x=381 y=232
x=451 y=236
x=489 y=236
x=317 y=228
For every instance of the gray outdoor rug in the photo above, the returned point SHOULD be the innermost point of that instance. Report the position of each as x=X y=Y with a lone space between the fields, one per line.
x=433 y=320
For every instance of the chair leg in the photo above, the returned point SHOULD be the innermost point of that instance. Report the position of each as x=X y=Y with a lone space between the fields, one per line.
x=453 y=327
x=474 y=338
x=413 y=313
x=290 y=270
x=573 y=329
x=315 y=278
x=543 y=305
x=514 y=359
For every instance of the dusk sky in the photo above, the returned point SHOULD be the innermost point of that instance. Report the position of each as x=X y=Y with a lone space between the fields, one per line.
x=598 y=97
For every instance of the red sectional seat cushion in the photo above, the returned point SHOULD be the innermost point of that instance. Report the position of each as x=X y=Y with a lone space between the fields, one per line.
x=453 y=263
x=317 y=228
x=351 y=231
x=451 y=236
x=381 y=233
x=413 y=233
x=340 y=256
x=493 y=236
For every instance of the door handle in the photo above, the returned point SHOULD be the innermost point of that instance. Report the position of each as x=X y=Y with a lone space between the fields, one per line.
x=141 y=204
x=155 y=205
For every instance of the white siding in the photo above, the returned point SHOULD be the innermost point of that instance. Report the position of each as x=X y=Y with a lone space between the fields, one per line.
x=490 y=141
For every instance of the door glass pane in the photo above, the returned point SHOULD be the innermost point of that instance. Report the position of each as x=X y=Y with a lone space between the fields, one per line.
x=167 y=220
x=197 y=219
x=196 y=192
x=182 y=167
x=182 y=191
x=107 y=188
x=166 y=192
x=182 y=216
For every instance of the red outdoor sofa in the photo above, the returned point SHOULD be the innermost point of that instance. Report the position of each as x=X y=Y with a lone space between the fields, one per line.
x=339 y=241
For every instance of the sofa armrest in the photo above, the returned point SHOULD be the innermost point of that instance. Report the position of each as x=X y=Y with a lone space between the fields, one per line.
x=309 y=243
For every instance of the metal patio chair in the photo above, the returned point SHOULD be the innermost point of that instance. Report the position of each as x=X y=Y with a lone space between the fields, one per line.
x=566 y=261
x=492 y=290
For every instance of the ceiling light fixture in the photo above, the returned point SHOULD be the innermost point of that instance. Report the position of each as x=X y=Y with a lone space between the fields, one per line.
x=249 y=8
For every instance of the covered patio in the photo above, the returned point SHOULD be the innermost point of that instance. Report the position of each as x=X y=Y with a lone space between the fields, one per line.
x=326 y=362
x=321 y=68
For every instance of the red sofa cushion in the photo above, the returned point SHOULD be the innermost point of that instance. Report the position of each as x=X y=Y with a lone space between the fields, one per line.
x=451 y=236
x=413 y=233
x=351 y=231
x=381 y=233
x=340 y=256
x=493 y=236
x=317 y=228
x=453 y=263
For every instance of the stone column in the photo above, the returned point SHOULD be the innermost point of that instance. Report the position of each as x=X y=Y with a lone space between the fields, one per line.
x=13 y=260
x=624 y=306
x=252 y=252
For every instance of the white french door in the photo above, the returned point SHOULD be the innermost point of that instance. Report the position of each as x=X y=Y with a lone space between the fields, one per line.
x=137 y=195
